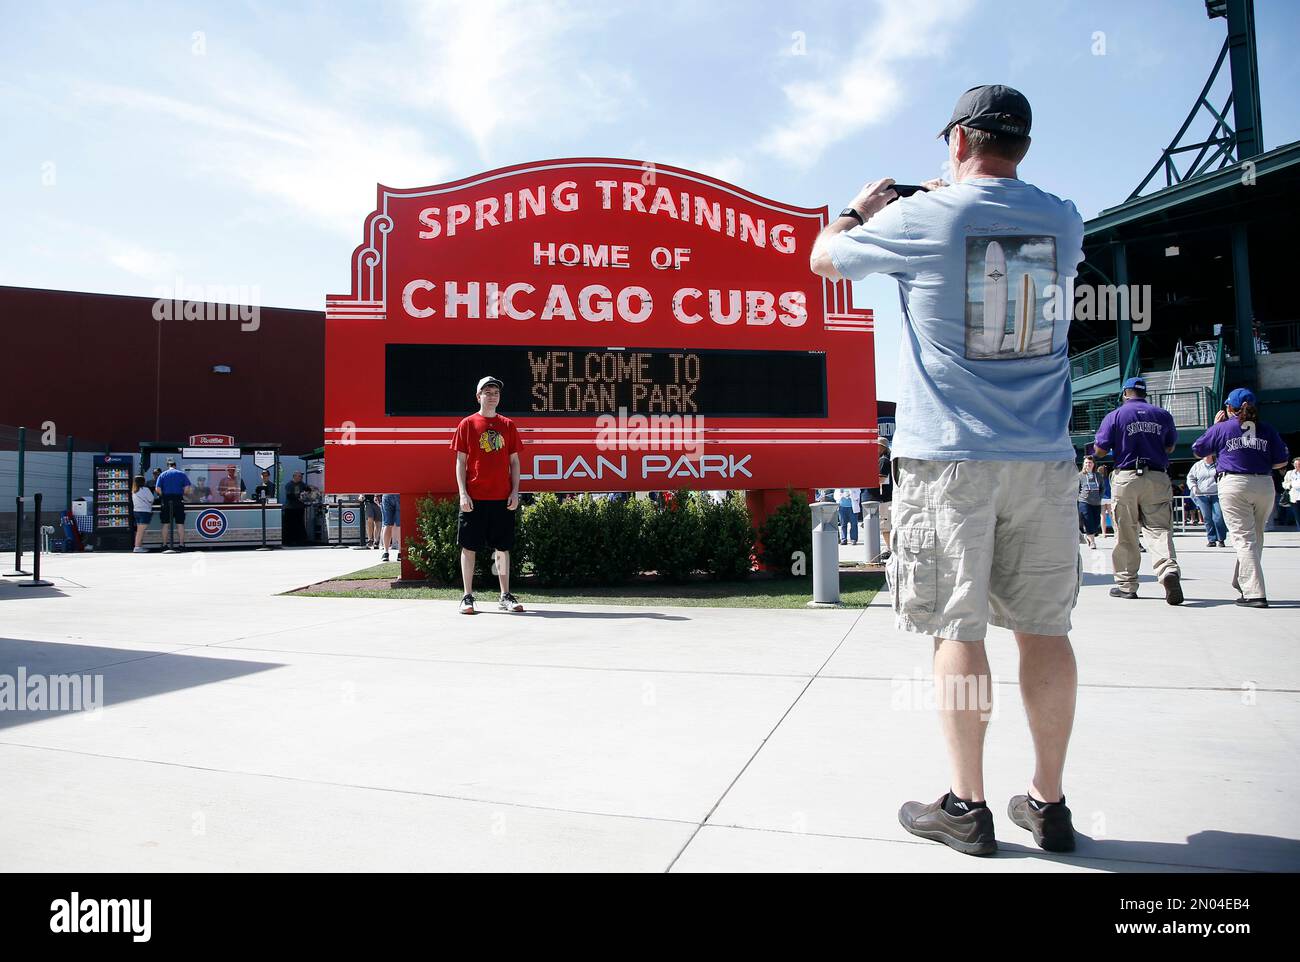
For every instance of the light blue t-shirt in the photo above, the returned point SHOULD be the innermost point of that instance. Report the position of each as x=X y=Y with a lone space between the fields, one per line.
x=968 y=388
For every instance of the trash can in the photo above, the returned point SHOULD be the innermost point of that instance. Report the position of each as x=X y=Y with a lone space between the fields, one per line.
x=826 y=553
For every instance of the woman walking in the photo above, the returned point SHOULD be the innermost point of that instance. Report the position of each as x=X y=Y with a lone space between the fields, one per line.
x=142 y=498
x=1090 y=501
x=1245 y=450
x=1107 y=502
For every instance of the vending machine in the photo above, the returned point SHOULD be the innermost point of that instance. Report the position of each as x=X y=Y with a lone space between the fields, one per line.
x=113 y=531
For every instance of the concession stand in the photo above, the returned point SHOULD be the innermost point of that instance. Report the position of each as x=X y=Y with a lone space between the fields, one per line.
x=221 y=508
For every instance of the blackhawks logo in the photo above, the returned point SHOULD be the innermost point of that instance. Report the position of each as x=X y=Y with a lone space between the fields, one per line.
x=490 y=441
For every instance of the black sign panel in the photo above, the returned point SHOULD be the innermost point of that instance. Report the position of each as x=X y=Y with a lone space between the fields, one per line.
x=440 y=379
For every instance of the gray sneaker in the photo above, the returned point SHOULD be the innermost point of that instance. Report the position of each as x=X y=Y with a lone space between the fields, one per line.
x=1051 y=826
x=970 y=834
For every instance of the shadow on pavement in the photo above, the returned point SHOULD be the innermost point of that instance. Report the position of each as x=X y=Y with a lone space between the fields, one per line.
x=67 y=673
x=1209 y=851
x=650 y=613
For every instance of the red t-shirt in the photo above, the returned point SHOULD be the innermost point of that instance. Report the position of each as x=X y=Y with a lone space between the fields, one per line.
x=488 y=444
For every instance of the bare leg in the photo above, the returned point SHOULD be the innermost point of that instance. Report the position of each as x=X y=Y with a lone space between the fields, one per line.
x=961 y=676
x=1048 y=680
x=467 y=569
x=503 y=570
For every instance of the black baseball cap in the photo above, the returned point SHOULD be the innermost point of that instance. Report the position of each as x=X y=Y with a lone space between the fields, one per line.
x=993 y=107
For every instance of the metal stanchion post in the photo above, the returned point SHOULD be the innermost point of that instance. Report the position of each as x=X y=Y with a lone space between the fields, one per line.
x=339 y=541
x=361 y=528
x=36 y=581
x=18 y=571
x=265 y=546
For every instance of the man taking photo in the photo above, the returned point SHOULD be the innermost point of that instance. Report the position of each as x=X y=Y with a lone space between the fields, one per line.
x=487 y=476
x=985 y=528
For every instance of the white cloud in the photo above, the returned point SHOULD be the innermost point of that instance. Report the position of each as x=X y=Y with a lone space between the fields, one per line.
x=868 y=85
x=492 y=68
x=142 y=262
x=251 y=129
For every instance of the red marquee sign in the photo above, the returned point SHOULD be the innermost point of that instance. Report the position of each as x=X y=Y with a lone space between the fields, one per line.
x=654 y=328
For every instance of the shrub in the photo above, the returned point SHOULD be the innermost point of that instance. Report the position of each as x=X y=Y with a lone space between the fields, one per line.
x=585 y=541
x=728 y=537
x=787 y=529
x=436 y=554
x=674 y=537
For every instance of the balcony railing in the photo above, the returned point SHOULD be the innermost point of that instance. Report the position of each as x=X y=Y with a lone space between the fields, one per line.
x=1191 y=408
x=1097 y=359
x=1278 y=337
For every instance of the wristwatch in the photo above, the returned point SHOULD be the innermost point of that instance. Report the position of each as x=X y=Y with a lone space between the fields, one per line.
x=852 y=212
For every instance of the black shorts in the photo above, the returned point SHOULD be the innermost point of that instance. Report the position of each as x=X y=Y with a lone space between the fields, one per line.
x=491 y=524
x=173 y=508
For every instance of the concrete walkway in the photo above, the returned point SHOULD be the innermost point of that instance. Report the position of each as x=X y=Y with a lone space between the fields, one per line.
x=246 y=731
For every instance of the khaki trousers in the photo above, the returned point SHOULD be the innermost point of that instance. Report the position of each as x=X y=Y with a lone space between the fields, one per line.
x=1247 y=501
x=1142 y=504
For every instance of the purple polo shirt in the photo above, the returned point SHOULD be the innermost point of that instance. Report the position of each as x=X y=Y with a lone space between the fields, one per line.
x=1135 y=430
x=1240 y=453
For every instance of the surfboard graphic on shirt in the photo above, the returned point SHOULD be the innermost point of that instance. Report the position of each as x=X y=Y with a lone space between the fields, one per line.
x=1006 y=275
x=1025 y=314
x=995 y=297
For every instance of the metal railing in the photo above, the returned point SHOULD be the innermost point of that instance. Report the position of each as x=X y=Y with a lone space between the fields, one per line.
x=1191 y=408
x=1278 y=337
x=1097 y=359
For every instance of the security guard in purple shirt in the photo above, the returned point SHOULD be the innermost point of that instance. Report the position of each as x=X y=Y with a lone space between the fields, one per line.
x=1245 y=451
x=1142 y=437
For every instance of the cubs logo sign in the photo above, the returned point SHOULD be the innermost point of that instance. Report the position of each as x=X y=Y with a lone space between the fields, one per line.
x=211 y=524
x=349 y=517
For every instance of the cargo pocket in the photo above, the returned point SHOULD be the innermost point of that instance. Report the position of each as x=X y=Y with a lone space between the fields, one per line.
x=913 y=578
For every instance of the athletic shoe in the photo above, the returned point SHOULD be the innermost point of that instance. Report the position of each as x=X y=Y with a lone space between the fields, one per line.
x=1173 y=590
x=139 y=550
x=509 y=602
x=1049 y=824
x=970 y=834
x=1211 y=544
x=1222 y=545
x=384 y=556
x=1118 y=592
x=1253 y=602
x=467 y=605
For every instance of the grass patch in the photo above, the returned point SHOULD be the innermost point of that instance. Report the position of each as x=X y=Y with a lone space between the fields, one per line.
x=857 y=588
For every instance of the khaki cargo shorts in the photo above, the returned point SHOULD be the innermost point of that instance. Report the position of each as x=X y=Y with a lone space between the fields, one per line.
x=976 y=543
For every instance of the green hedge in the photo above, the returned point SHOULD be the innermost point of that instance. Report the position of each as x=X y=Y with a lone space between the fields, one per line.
x=786 y=531
x=436 y=554
x=588 y=541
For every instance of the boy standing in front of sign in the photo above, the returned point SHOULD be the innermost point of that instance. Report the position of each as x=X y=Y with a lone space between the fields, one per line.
x=487 y=476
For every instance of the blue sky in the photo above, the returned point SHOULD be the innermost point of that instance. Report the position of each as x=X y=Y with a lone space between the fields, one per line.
x=239 y=143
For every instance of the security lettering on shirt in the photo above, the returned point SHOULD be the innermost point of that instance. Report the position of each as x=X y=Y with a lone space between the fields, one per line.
x=1249 y=448
x=1136 y=430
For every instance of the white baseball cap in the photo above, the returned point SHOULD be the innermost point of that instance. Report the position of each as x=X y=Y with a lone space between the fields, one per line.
x=486 y=382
